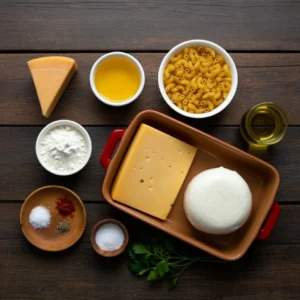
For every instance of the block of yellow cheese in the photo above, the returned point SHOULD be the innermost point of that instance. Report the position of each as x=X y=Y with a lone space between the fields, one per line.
x=51 y=75
x=153 y=172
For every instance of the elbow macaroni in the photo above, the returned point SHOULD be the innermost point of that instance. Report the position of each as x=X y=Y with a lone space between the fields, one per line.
x=197 y=80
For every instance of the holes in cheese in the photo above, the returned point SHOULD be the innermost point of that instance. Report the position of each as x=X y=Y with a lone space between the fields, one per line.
x=162 y=175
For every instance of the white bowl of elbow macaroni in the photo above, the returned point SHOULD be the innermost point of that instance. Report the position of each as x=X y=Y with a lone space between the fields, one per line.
x=198 y=79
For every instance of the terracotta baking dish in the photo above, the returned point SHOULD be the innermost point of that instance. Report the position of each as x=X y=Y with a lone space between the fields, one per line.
x=262 y=178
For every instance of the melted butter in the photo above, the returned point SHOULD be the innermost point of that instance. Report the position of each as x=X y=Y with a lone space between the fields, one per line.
x=117 y=79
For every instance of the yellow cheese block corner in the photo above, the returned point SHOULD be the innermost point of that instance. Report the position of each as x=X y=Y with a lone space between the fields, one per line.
x=152 y=172
x=51 y=75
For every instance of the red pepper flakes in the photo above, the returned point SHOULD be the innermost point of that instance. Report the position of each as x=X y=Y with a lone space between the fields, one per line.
x=65 y=206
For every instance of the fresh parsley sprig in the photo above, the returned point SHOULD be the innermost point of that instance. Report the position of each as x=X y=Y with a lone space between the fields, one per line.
x=161 y=259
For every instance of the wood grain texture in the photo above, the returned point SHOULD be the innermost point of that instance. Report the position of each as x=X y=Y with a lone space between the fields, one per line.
x=151 y=25
x=262 y=77
x=21 y=172
x=270 y=270
x=79 y=273
x=286 y=231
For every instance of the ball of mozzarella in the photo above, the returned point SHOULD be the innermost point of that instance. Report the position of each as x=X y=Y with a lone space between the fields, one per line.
x=217 y=201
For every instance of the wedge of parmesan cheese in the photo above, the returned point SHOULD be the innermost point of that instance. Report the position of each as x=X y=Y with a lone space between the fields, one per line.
x=51 y=76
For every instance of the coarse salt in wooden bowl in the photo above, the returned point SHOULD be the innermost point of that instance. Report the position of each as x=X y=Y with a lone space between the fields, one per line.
x=114 y=252
x=49 y=239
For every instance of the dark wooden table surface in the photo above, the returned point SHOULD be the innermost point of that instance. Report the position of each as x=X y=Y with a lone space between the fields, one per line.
x=264 y=40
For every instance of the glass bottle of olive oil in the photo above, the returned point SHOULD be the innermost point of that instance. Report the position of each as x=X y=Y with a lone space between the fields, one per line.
x=264 y=125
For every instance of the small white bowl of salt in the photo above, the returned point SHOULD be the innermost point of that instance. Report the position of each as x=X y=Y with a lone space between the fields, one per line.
x=63 y=147
x=109 y=237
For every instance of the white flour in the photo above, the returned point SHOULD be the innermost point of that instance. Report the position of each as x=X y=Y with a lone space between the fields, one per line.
x=64 y=148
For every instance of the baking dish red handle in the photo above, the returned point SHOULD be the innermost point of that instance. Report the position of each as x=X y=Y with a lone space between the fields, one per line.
x=109 y=147
x=270 y=223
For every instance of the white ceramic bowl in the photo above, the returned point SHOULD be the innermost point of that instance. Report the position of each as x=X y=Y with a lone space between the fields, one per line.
x=197 y=43
x=51 y=126
x=101 y=97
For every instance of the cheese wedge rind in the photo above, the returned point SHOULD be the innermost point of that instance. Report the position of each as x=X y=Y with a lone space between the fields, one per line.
x=51 y=76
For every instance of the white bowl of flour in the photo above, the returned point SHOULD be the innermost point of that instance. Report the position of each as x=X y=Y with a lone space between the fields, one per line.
x=63 y=147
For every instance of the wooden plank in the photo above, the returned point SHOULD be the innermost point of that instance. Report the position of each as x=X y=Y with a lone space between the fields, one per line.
x=286 y=231
x=269 y=269
x=262 y=77
x=147 y=25
x=21 y=172
x=266 y=272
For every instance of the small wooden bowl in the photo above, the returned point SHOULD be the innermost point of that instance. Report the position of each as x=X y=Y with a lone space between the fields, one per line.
x=109 y=253
x=49 y=239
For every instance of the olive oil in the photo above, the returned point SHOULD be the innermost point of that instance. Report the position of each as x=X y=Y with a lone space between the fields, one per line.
x=264 y=125
x=117 y=79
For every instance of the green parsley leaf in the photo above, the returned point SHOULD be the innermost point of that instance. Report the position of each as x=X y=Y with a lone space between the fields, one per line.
x=173 y=282
x=161 y=259
x=145 y=260
x=162 y=268
x=140 y=249
x=131 y=254
x=135 y=267
x=157 y=249
x=152 y=275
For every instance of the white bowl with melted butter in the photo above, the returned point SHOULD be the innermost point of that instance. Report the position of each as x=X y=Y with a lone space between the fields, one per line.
x=117 y=79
